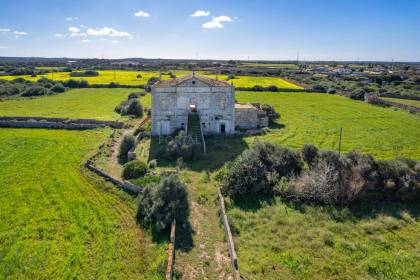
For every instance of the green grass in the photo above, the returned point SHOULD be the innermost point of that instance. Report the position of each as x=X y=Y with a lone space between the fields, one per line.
x=130 y=78
x=366 y=241
x=415 y=103
x=317 y=118
x=77 y=103
x=58 y=220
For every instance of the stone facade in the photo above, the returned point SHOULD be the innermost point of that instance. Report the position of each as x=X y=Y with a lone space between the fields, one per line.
x=174 y=99
x=213 y=100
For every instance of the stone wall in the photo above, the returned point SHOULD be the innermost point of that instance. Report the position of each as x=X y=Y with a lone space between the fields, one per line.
x=56 y=123
x=374 y=99
x=248 y=116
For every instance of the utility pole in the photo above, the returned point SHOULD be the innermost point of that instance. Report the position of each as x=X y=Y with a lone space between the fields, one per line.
x=114 y=75
x=339 y=142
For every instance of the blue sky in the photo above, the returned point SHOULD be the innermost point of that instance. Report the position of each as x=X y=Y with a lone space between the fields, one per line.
x=229 y=29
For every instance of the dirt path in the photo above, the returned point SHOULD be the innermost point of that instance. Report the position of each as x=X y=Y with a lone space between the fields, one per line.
x=202 y=252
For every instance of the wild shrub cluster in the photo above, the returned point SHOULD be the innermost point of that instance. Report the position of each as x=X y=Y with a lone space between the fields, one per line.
x=131 y=106
x=134 y=169
x=127 y=144
x=182 y=146
x=160 y=203
x=319 y=176
x=25 y=88
x=271 y=112
x=87 y=73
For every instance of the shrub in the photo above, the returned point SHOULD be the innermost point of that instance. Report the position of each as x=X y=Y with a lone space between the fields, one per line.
x=134 y=169
x=88 y=73
x=331 y=91
x=58 y=88
x=271 y=112
x=151 y=82
x=309 y=153
x=183 y=146
x=152 y=164
x=160 y=203
x=35 y=91
x=127 y=144
x=139 y=76
x=131 y=107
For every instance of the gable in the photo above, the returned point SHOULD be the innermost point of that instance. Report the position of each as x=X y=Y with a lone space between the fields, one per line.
x=192 y=82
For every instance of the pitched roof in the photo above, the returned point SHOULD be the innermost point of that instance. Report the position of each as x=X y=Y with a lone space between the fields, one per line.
x=178 y=81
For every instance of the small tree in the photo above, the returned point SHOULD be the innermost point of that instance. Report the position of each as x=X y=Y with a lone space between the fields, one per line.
x=160 y=203
x=271 y=112
x=127 y=144
x=134 y=169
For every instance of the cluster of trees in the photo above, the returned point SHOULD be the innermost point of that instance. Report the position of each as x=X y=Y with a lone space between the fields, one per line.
x=183 y=146
x=26 y=88
x=87 y=73
x=318 y=176
x=131 y=106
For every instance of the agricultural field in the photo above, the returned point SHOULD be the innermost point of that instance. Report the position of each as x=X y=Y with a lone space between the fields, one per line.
x=269 y=65
x=317 y=119
x=130 y=78
x=76 y=103
x=415 y=103
x=364 y=241
x=60 y=221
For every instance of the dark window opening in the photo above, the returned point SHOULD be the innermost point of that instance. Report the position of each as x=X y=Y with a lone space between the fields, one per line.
x=193 y=82
x=222 y=128
x=203 y=124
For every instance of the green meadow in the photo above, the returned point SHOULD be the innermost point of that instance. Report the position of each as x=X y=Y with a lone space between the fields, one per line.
x=317 y=118
x=59 y=221
x=76 y=103
x=415 y=103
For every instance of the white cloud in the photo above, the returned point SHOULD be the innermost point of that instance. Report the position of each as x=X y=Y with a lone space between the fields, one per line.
x=3 y=47
x=20 y=33
x=216 y=22
x=82 y=26
x=71 y=18
x=115 y=42
x=4 y=30
x=200 y=13
x=74 y=29
x=78 y=34
x=142 y=14
x=86 y=41
x=107 y=31
x=59 y=35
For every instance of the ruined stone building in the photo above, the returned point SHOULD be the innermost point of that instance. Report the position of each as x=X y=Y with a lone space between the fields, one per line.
x=177 y=102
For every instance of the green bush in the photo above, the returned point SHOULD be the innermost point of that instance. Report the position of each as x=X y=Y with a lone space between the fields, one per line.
x=309 y=153
x=58 y=88
x=160 y=203
x=182 y=146
x=127 y=144
x=271 y=112
x=35 y=91
x=134 y=169
x=131 y=107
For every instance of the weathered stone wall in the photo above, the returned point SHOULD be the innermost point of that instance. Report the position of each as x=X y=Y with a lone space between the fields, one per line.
x=65 y=123
x=249 y=117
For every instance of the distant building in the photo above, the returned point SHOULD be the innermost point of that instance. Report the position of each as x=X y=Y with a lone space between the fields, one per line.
x=176 y=101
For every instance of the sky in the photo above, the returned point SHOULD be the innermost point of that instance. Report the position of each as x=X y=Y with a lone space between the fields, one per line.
x=365 y=30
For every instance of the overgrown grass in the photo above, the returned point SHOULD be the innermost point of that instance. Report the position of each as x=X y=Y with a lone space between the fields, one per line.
x=366 y=241
x=415 y=103
x=60 y=221
x=76 y=103
x=317 y=118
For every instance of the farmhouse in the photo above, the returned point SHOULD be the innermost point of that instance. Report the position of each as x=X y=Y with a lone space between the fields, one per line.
x=197 y=101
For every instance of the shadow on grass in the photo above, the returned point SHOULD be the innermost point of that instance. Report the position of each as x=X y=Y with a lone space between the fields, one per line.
x=183 y=237
x=219 y=151
x=252 y=204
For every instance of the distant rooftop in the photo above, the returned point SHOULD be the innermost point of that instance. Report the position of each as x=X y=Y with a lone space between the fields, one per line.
x=176 y=81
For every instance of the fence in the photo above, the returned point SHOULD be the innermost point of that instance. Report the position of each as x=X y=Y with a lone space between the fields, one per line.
x=229 y=237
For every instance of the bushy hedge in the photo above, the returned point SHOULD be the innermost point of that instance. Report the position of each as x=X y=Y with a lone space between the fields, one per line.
x=87 y=73
x=328 y=177
x=25 y=88
x=160 y=203
x=132 y=107
x=183 y=146
x=134 y=169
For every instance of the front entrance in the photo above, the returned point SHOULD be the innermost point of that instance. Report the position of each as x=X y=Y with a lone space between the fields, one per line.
x=222 y=128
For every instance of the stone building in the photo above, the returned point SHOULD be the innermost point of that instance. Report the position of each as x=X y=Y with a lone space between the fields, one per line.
x=176 y=102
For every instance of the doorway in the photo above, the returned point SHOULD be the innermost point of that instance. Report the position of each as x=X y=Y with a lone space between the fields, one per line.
x=222 y=128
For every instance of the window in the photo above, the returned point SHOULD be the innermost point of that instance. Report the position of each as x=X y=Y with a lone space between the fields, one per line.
x=193 y=82
x=203 y=124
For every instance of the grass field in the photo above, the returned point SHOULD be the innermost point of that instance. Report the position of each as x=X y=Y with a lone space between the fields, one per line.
x=77 y=103
x=58 y=221
x=317 y=118
x=130 y=78
x=415 y=103
x=276 y=240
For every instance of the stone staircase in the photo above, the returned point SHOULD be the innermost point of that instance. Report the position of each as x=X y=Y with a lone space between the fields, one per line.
x=194 y=129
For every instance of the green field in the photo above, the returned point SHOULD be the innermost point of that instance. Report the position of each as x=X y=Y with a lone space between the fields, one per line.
x=415 y=103
x=58 y=221
x=276 y=240
x=317 y=118
x=77 y=103
x=130 y=78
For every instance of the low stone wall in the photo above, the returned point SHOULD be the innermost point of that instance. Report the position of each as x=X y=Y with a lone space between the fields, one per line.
x=122 y=184
x=374 y=99
x=58 y=122
x=229 y=237
x=171 y=253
